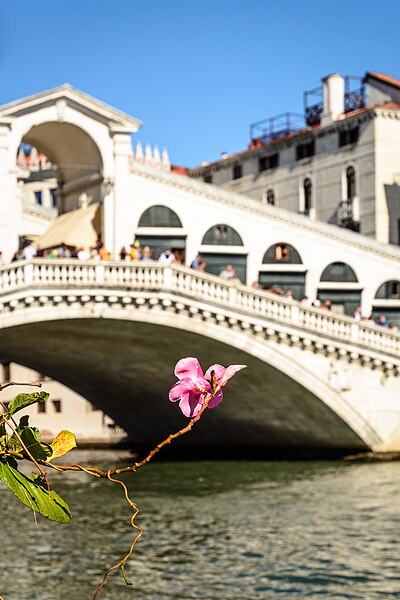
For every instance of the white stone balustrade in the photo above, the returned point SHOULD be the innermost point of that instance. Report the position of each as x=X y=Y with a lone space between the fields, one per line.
x=54 y=276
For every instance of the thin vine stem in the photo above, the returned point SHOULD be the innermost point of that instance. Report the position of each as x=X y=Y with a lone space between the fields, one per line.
x=99 y=473
x=124 y=560
x=6 y=385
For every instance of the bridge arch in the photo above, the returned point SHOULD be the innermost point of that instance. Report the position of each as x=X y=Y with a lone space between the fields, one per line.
x=148 y=343
x=76 y=156
x=323 y=359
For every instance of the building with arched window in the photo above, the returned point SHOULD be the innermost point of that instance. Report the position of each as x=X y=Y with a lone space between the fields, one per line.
x=307 y=197
x=222 y=245
x=127 y=196
x=270 y=197
x=160 y=229
x=340 y=285
x=282 y=270
x=337 y=163
x=387 y=301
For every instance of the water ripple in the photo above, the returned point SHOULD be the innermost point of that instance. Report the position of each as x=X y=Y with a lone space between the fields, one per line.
x=215 y=531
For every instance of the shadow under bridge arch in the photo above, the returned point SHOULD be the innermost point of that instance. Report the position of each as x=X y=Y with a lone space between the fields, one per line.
x=126 y=369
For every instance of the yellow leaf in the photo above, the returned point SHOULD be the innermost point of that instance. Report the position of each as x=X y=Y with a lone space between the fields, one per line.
x=62 y=444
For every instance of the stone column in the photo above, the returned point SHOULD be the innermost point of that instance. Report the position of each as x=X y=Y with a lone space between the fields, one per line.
x=108 y=215
x=122 y=187
x=10 y=199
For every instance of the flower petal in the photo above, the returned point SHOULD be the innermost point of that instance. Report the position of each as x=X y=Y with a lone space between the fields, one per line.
x=188 y=367
x=230 y=372
x=181 y=388
x=219 y=370
x=191 y=403
x=223 y=375
x=216 y=400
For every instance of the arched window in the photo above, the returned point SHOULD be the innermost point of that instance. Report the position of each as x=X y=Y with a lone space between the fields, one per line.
x=159 y=216
x=307 y=191
x=270 y=197
x=339 y=272
x=350 y=183
x=282 y=253
x=222 y=235
x=390 y=290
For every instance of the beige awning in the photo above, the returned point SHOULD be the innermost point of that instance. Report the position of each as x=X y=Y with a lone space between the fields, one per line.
x=78 y=228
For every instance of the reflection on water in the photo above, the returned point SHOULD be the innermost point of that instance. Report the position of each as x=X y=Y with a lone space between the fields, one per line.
x=216 y=531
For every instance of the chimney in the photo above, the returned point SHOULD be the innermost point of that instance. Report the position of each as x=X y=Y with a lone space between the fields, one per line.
x=333 y=87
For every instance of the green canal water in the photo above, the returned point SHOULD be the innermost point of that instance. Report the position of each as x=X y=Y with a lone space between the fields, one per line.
x=215 y=531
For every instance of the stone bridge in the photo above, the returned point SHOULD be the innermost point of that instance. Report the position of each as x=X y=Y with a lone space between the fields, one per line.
x=112 y=331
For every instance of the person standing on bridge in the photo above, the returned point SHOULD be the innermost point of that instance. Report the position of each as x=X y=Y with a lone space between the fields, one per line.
x=228 y=273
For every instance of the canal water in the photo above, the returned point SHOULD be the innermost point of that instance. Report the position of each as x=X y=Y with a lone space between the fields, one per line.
x=215 y=531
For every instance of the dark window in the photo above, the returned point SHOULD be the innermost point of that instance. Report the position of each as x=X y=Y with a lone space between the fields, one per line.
x=389 y=290
x=339 y=271
x=348 y=136
x=53 y=193
x=307 y=190
x=208 y=178
x=270 y=197
x=237 y=171
x=158 y=244
x=222 y=235
x=6 y=372
x=38 y=197
x=282 y=252
x=350 y=183
x=217 y=262
x=392 y=314
x=57 y=405
x=343 y=302
x=268 y=162
x=41 y=407
x=283 y=280
x=305 y=150
x=159 y=216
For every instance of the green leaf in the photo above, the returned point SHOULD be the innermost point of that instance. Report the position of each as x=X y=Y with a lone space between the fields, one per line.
x=31 y=437
x=3 y=436
x=35 y=495
x=23 y=400
x=63 y=443
x=38 y=449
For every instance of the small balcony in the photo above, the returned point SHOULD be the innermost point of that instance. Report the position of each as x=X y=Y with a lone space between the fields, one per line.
x=348 y=214
x=274 y=128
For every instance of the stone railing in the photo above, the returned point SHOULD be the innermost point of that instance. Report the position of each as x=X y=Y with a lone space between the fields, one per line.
x=72 y=275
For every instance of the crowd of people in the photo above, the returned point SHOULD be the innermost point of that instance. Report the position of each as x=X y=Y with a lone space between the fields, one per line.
x=326 y=304
x=135 y=252
x=98 y=252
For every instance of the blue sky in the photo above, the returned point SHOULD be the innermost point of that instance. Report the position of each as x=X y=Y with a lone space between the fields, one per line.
x=196 y=73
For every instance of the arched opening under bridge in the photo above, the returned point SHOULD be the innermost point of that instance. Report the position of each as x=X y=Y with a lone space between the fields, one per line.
x=126 y=369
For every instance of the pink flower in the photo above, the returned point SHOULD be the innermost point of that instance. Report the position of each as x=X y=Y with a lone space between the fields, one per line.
x=193 y=386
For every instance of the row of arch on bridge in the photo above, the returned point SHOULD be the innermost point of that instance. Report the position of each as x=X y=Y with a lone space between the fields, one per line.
x=344 y=296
